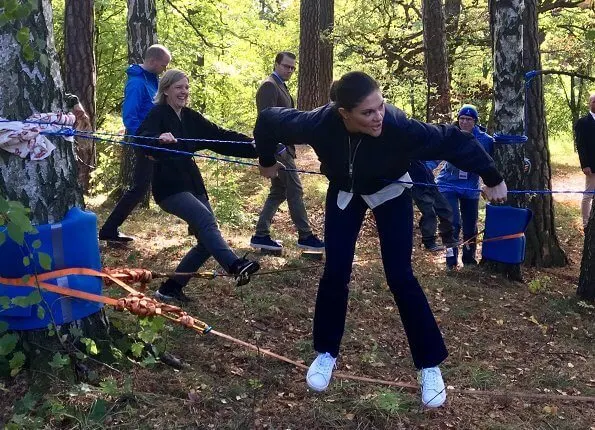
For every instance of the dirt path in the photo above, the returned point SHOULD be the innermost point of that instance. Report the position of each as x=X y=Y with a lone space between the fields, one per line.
x=568 y=178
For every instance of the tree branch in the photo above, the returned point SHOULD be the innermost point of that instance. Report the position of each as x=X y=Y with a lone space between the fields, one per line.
x=562 y=72
x=548 y=5
x=191 y=24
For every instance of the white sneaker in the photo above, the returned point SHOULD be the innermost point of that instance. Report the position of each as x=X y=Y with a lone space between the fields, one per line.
x=433 y=392
x=320 y=372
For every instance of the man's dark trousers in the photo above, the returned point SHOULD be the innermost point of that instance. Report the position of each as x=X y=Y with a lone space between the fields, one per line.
x=431 y=204
x=141 y=181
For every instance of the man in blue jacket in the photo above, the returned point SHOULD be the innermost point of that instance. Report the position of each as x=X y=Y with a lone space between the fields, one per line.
x=458 y=187
x=139 y=91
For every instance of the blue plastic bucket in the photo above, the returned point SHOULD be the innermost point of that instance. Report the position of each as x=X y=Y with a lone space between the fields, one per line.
x=71 y=243
x=503 y=221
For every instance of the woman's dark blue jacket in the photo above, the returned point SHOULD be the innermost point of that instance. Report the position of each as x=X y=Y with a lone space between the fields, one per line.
x=378 y=160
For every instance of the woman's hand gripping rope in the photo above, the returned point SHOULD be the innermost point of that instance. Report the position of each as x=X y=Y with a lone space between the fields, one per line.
x=496 y=194
x=272 y=171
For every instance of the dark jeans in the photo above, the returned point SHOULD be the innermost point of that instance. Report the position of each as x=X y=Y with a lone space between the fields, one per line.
x=464 y=211
x=286 y=186
x=431 y=204
x=197 y=212
x=141 y=181
x=394 y=221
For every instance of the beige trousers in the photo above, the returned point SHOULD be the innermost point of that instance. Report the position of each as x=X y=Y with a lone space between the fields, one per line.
x=587 y=202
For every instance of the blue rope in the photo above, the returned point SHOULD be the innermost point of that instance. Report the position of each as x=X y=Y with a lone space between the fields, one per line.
x=509 y=138
x=192 y=154
x=458 y=188
x=68 y=132
x=91 y=135
x=512 y=139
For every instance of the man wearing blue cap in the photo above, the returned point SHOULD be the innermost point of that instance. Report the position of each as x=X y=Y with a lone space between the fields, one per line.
x=463 y=199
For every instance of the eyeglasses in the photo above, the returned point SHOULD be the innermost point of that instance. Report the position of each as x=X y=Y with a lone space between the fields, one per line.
x=288 y=67
x=466 y=119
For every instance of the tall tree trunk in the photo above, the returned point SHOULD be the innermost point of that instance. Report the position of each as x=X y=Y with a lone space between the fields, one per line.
x=309 y=73
x=509 y=105
x=452 y=13
x=543 y=247
x=586 y=280
x=48 y=187
x=142 y=32
x=438 y=97
x=327 y=22
x=79 y=74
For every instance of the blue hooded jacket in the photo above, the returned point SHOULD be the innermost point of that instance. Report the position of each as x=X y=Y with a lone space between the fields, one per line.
x=450 y=175
x=139 y=91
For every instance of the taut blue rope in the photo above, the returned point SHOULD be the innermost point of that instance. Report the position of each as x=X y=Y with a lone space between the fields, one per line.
x=69 y=131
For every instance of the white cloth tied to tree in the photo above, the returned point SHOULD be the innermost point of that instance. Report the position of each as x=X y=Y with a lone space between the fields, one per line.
x=24 y=138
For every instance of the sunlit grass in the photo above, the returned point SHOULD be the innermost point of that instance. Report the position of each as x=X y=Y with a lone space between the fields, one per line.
x=562 y=150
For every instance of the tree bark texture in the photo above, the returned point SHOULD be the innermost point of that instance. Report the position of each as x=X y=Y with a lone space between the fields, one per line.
x=452 y=13
x=141 y=28
x=509 y=106
x=80 y=76
x=142 y=33
x=85 y=149
x=543 y=246
x=79 y=54
x=309 y=60
x=48 y=187
x=327 y=22
x=586 y=280
x=436 y=62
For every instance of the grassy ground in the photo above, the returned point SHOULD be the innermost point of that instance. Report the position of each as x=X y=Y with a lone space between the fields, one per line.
x=533 y=337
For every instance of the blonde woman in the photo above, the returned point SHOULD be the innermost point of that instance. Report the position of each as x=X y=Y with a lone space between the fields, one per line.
x=178 y=187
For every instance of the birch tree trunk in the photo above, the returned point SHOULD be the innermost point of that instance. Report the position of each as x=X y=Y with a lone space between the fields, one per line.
x=436 y=63
x=507 y=18
x=141 y=30
x=309 y=60
x=79 y=74
x=543 y=246
x=48 y=187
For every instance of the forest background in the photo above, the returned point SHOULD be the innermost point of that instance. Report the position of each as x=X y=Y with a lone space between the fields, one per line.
x=227 y=47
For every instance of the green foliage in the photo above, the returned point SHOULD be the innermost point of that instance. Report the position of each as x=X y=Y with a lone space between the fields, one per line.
x=33 y=412
x=386 y=402
x=14 y=218
x=16 y=12
x=108 y=164
x=90 y=345
x=8 y=342
x=540 y=284
x=59 y=361
x=567 y=46
x=224 y=191
x=12 y=358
